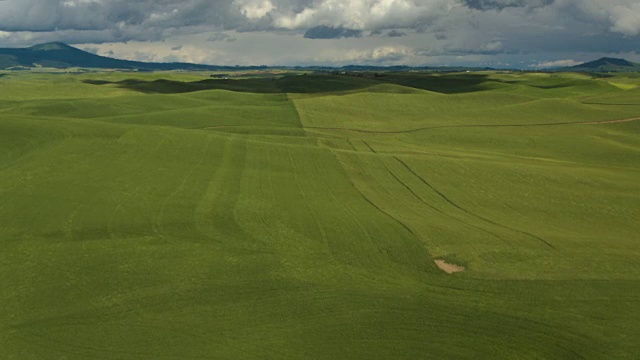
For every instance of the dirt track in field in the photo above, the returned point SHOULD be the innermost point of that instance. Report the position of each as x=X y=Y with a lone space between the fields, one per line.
x=475 y=126
x=449 y=268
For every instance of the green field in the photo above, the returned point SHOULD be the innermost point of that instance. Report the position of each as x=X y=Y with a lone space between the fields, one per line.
x=169 y=216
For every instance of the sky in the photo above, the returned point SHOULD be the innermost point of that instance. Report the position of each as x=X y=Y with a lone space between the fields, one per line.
x=525 y=34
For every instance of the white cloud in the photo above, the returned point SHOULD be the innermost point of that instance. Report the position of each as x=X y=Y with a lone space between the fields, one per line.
x=556 y=64
x=255 y=9
x=365 y=14
x=74 y=3
x=159 y=52
x=626 y=19
x=383 y=55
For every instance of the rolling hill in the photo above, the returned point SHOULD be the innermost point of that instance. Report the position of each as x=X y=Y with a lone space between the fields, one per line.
x=171 y=216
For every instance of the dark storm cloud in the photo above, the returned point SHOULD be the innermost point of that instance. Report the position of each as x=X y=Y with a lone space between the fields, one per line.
x=113 y=15
x=328 y=32
x=455 y=27
x=220 y=36
x=396 y=33
x=157 y=19
x=501 y=4
x=441 y=36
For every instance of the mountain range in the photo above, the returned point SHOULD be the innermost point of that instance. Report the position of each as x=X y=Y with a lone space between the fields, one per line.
x=62 y=56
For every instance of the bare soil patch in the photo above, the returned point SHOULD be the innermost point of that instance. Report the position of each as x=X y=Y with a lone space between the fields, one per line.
x=449 y=268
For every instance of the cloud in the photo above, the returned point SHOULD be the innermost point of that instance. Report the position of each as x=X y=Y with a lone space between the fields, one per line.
x=625 y=19
x=364 y=14
x=93 y=50
x=543 y=29
x=123 y=20
x=255 y=9
x=329 y=32
x=555 y=64
x=389 y=55
x=220 y=36
x=493 y=47
x=396 y=33
x=616 y=16
x=501 y=4
x=441 y=36
x=159 y=52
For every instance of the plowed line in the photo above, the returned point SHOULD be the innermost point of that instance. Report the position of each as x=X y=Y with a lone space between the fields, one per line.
x=452 y=203
x=438 y=210
x=476 y=126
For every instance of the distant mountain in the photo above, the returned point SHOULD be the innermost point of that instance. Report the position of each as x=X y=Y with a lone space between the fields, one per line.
x=606 y=65
x=62 y=56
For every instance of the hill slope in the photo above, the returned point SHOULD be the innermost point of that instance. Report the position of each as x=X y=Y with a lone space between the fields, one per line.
x=143 y=224
x=607 y=65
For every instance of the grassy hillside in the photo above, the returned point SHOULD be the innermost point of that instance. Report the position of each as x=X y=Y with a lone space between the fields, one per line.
x=301 y=220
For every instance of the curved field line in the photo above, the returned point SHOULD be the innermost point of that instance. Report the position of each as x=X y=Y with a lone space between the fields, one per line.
x=406 y=227
x=420 y=199
x=369 y=146
x=161 y=212
x=452 y=203
x=305 y=199
x=610 y=104
x=615 y=121
x=349 y=212
x=611 y=121
x=398 y=221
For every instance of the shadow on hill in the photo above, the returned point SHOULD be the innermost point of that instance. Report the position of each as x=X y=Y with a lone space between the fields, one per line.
x=311 y=84
x=454 y=83
x=549 y=87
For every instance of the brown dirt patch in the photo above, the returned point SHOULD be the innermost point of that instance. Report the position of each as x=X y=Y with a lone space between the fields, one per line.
x=449 y=268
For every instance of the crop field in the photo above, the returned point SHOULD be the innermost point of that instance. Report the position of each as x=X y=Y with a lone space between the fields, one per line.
x=173 y=216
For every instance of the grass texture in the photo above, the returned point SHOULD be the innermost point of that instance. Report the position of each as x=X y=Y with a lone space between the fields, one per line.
x=153 y=217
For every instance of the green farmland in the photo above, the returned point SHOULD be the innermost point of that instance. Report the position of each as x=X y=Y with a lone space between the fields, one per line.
x=171 y=216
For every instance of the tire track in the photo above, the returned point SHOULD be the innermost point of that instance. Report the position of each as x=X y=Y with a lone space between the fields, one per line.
x=350 y=144
x=350 y=213
x=610 y=104
x=370 y=148
x=388 y=214
x=161 y=212
x=440 y=211
x=615 y=121
x=452 y=203
x=382 y=211
x=305 y=200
